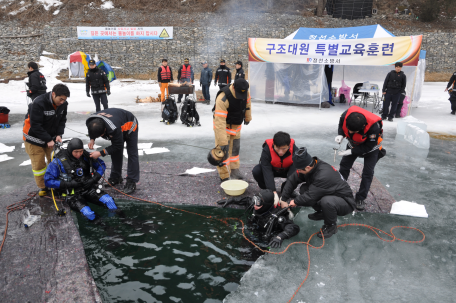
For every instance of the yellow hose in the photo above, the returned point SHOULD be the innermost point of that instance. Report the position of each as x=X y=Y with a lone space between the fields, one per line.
x=52 y=190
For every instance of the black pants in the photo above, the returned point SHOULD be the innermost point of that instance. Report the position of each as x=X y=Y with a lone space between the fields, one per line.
x=257 y=173
x=179 y=99
x=453 y=102
x=332 y=206
x=393 y=100
x=79 y=200
x=133 y=159
x=399 y=106
x=206 y=94
x=34 y=95
x=100 y=97
x=370 y=160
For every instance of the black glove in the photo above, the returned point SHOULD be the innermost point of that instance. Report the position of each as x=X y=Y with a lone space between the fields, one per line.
x=246 y=123
x=225 y=149
x=88 y=95
x=201 y=84
x=245 y=201
x=108 y=92
x=89 y=183
x=96 y=176
x=276 y=242
x=71 y=184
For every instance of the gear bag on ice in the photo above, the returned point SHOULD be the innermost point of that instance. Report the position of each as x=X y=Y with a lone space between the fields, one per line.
x=169 y=113
x=189 y=116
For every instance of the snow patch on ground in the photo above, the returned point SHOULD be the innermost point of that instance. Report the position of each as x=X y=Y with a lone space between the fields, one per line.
x=107 y=5
x=47 y=4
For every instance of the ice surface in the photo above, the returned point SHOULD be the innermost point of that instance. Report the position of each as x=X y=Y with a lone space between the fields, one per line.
x=26 y=162
x=156 y=150
x=144 y=145
x=402 y=124
x=406 y=208
x=5 y=158
x=197 y=170
x=417 y=136
x=6 y=149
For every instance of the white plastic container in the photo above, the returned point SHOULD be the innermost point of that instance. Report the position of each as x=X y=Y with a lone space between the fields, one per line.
x=29 y=219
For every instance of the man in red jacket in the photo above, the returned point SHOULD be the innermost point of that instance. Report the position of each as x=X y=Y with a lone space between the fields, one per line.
x=185 y=74
x=364 y=132
x=164 y=76
x=276 y=162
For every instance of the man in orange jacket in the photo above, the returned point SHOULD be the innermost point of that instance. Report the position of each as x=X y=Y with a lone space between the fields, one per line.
x=164 y=76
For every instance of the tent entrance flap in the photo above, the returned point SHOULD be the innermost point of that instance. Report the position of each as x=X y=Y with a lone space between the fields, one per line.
x=288 y=83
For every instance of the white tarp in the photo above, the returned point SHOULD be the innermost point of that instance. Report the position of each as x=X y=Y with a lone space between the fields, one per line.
x=288 y=83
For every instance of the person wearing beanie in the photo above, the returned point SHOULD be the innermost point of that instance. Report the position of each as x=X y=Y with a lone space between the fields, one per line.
x=97 y=81
x=37 y=82
x=79 y=185
x=222 y=75
x=239 y=71
x=324 y=190
x=264 y=210
x=364 y=132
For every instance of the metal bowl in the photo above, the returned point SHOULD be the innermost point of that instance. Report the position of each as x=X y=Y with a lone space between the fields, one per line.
x=234 y=187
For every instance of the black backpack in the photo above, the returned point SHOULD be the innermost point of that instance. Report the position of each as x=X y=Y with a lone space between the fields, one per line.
x=188 y=115
x=342 y=98
x=169 y=112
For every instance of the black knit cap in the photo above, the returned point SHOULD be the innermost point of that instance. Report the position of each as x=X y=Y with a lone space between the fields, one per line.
x=302 y=159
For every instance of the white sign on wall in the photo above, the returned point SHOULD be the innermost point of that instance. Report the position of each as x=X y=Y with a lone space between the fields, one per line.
x=125 y=33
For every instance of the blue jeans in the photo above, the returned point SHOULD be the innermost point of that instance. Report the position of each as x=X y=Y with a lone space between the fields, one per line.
x=393 y=100
x=206 y=92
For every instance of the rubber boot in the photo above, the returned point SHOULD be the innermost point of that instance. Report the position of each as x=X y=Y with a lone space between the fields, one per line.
x=236 y=174
x=115 y=181
x=360 y=204
x=43 y=192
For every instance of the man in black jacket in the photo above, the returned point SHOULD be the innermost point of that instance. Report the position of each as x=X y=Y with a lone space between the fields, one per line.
x=452 y=99
x=36 y=83
x=97 y=80
x=275 y=162
x=364 y=131
x=44 y=124
x=185 y=74
x=119 y=126
x=324 y=190
x=268 y=220
x=239 y=71
x=222 y=75
x=393 y=87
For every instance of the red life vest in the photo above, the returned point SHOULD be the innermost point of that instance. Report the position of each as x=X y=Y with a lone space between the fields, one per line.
x=165 y=73
x=371 y=119
x=276 y=162
x=186 y=72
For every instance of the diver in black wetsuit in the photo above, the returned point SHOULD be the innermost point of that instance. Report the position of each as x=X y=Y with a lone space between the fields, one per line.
x=268 y=219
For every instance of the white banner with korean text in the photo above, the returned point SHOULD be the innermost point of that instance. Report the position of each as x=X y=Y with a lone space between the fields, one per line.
x=125 y=33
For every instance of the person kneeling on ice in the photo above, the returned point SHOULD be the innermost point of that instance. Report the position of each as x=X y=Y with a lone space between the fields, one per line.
x=70 y=174
x=269 y=218
x=324 y=190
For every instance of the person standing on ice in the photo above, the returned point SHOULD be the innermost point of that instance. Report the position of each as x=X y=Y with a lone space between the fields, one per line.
x=164 y=76
x=364 y=131
x=205 y=82
x=393 y=88
x=232 y=108
x=222 y=75
x=43 y=126
x=324 y=190
x=37 y=82
x=239 y=71
x=118 y=126
x=185 y=74
x=452 y=99
x=97 y=80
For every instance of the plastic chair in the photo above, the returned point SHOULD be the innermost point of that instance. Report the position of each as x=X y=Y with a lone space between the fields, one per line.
x=356 y=94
